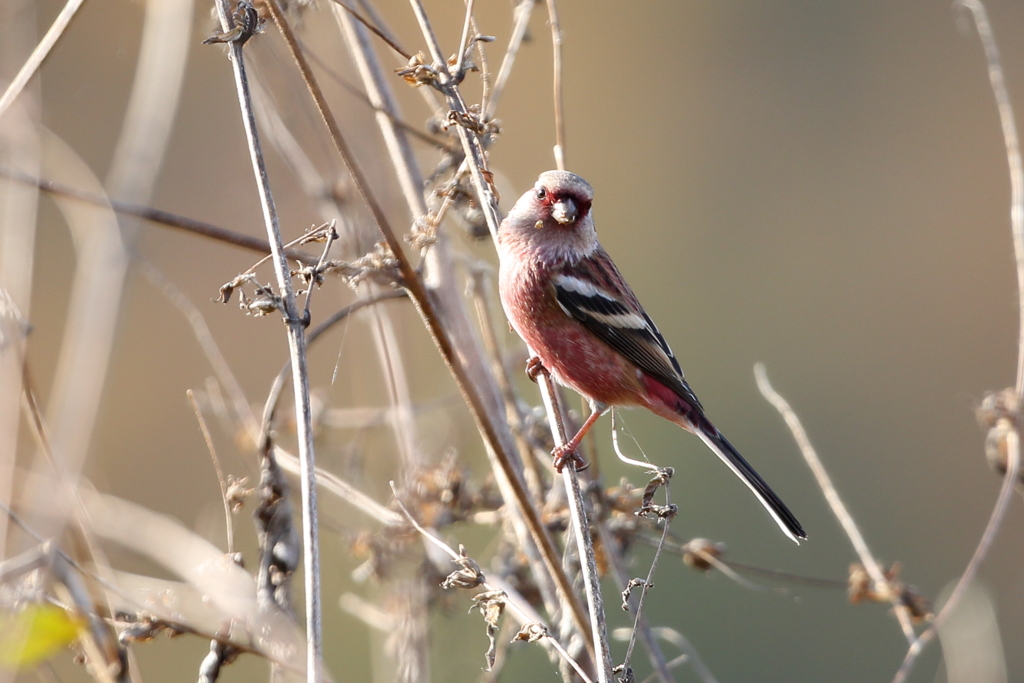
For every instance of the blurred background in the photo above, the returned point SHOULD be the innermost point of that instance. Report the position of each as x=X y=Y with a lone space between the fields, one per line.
x=818 y=186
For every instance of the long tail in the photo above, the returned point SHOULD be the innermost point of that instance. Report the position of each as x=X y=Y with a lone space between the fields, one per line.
x=731 y=457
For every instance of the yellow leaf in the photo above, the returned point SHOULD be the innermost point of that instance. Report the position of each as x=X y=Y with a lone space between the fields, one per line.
x=34 y=634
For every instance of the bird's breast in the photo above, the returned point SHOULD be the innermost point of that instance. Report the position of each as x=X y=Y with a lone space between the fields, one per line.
x=573 y=355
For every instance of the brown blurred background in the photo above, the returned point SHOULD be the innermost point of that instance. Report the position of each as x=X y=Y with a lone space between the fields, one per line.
x=820 y=186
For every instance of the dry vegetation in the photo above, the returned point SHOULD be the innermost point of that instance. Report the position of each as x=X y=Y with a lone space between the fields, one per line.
x=392 y=246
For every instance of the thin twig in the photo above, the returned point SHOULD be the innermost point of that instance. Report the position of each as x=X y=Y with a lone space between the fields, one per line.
x=220 y=472
x=373 y=29
x=556 y=65
x=464 y=41
x=524 y=8
x=432 y=140
x=1013 y=158
x=317 y=262
x=485 y=72
x=991 y=529
x=297 y=351
x=696 y=662
x=382 y=100
x=165 y=218
x=428 y=96
x=39 y=54
x=526 y=615
x=647 y=585
x=270 y=405
x=316 y=274
x=657 y=657
x=662 y=668
x=882 y=584
x=622 y=456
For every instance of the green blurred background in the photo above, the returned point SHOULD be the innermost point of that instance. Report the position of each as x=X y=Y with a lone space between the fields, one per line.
x=821 y=186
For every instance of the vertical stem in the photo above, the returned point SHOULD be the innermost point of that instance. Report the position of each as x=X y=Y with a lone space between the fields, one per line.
x=995 y=520
x=522 y=18
x=1012 y=143
x=584 y=542
x=556 y=64
x=297 y=353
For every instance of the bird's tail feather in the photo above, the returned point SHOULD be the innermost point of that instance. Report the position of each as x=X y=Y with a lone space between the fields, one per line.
x=731 y=457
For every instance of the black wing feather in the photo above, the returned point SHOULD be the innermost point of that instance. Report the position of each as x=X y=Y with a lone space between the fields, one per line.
x=637 y=344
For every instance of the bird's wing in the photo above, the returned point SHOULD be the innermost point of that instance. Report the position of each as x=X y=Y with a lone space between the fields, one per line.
x=594 y=292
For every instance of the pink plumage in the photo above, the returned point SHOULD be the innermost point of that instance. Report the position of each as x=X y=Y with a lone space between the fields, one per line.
x=569 y=303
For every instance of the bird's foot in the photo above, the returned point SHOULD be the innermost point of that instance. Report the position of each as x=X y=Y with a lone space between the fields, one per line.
x=565 y=454
x=535 y=368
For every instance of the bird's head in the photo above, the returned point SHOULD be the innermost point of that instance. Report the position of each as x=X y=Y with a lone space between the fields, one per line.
x=561 y=199
x=554 y=214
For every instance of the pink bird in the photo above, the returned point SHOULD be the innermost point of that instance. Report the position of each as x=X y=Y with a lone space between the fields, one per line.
x=566 y=299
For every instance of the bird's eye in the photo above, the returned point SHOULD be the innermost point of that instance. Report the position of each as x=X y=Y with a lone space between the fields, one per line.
x=542 y=193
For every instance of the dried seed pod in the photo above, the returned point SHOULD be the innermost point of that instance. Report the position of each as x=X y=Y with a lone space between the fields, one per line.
x=700 y=553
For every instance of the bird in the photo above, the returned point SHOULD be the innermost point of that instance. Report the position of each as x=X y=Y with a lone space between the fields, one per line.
x=566 y=299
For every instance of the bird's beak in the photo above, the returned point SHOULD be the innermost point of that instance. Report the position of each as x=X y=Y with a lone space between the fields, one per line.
x=564 y=210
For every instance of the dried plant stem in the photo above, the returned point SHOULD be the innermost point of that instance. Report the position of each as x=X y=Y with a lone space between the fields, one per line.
x=645 y=589
x=390 y=40
x=524 y=8
x=591 y=579
x=556 y=63
x=381 y=99
x=991 y=529
x=425 y=305
x=208 y=438
x=581 y=530
x=524 y=613
x=410 y=180
x=297 y=353
x=661 y=667
x=164 y=218
x=101 y=642
x=464 y=41
x=471 y=143
x=19 y=144
x=1013 y=158
x=35 y=60
x=832 y=497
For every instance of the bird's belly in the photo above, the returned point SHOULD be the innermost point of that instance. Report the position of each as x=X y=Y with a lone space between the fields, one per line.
x=579 y=360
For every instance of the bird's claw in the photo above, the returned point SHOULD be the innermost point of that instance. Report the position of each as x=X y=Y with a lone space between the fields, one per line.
x=563 y=455
x=535 y=368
